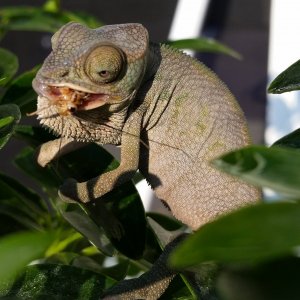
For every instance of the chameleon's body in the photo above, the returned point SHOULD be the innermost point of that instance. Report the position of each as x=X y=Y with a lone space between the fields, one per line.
x=170 y=114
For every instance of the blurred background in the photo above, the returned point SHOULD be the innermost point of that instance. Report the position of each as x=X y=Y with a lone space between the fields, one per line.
x=246 y=26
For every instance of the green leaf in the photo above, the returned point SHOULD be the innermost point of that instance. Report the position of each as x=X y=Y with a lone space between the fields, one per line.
x=33 y=135
x=21 y=204
x=62 y=258
x=288 y=80
x=6 y=121
x=17 y=216
x=29 y=18
x=276 y=280
x=45 y=177
x=204 y=45
x=8 y=66
x=11 y=188
x=52 y=6
x=120 y=213
x=164 y=236
x=66 y=238
x=50 y=281
x=167 y=222
x=252 y=234
x=83 y=18
x=277 y=168
x=152 y=248
x=20 y=92
x=292 y=140
x=17 y=250
x=9 y=114
x=177 y=290
x=80 y=164
x=39 y=19
x=85 y=225
x=118 y=271
x=9 y=225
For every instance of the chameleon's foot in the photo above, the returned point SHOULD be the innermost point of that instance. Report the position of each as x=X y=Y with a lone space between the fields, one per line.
x=42 y=156
x=70 y=191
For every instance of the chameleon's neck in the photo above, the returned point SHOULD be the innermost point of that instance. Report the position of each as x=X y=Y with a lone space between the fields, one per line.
x=153 y=61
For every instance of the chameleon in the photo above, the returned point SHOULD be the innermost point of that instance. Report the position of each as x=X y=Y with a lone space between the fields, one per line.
x=170 y=114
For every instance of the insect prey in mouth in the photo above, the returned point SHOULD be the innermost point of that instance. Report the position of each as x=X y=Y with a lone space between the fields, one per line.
x=69 y=100
x=66 y=100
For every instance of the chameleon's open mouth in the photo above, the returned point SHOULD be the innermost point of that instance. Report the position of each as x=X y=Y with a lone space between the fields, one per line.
x=69 y=100
x=75 y=99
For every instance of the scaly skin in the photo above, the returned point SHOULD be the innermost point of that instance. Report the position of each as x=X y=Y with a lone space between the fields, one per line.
x=170 y=114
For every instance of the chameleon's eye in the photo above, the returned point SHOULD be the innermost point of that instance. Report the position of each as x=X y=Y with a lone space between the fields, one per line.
x=104 y=64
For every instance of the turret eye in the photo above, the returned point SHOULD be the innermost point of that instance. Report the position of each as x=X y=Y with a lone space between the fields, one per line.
x=104 y=64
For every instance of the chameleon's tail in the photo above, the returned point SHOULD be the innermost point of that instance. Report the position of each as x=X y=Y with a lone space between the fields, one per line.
x=152 y=284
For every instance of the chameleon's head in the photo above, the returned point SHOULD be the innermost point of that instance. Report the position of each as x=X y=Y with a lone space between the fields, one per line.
x=91 y=69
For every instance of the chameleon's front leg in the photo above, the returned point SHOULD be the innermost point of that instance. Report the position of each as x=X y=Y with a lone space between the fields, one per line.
x=56 y=148
x=98 y=186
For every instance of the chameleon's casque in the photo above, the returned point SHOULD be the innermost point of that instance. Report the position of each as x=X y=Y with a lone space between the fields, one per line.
x=170 y=114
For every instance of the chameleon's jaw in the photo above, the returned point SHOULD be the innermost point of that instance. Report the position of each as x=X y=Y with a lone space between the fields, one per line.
x=69 y=98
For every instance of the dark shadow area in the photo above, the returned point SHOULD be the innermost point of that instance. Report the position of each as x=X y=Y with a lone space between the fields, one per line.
x=217 y=15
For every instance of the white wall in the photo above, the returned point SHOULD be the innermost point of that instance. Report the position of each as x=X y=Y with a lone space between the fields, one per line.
x=283 y=110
